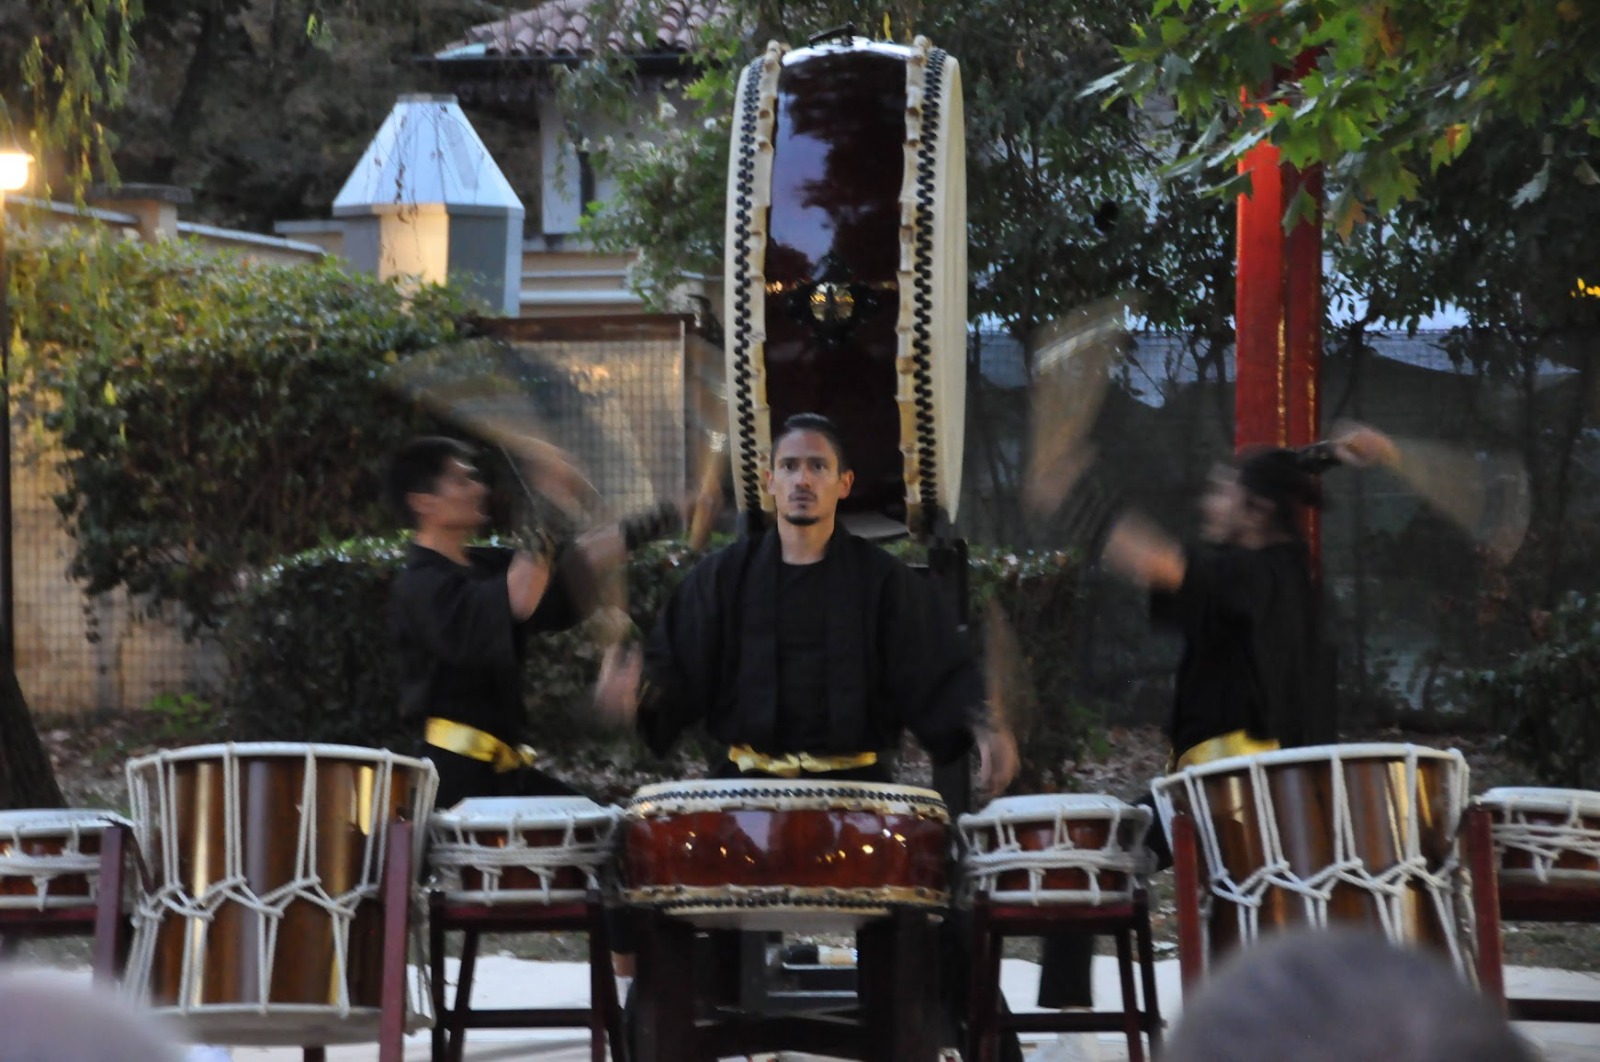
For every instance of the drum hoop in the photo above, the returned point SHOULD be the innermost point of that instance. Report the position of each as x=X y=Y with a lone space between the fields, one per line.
x=55 y=822
x=1049 y=807
x=902 y=52
x=1543 y=801
x=523 y=813
x=924 y=804
x=1316 y=754
x=237 y=750
x=690 y=899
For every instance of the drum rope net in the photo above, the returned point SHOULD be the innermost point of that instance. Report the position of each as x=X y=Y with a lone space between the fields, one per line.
x=984 y=867
x=758 y=94
x=43 y=869
x=171 y=898
x=1388 y=886
x=453 y=850
x=1546 y=843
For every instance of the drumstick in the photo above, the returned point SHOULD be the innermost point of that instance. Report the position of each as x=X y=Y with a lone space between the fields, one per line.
x=1010 y=692
x=708 y=408
x=1486 y=494
x=1072 y=359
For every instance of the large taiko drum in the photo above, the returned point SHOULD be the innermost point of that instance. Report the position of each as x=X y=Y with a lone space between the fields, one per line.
x=1059 y=848
x=846 y=274
x=773 y=855
x=1361 y=833
x=546 y=850
x=1546 y=837
x=260 y=918
x=50 y=857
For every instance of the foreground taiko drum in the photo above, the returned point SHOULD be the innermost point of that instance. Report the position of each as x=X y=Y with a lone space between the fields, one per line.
x=804 y=854
x=1062 y=848
x=1362 y=834
x=50 y=857
x=1546 y=836
x=260 y=921
x=846 y=277
x=546 y=850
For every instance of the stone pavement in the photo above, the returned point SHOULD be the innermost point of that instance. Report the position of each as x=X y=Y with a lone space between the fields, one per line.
x=504 y=981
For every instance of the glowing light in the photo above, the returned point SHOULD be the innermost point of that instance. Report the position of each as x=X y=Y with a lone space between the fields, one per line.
x=14 y=166
x=867 y=849
x=1586 y=290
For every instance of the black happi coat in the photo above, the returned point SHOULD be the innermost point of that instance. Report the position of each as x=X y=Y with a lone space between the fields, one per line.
x=1250 y=654
x=461 y=651
x=895 y=659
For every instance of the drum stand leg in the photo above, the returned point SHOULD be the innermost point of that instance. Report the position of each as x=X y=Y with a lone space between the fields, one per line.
x=456 y=1027
x=110 y=928
x=436 y=946
x=398 y=875
x=1186 y=874
x=901 y=1011
x=983 y=1032
x=1485 y=904
x=1147 y=970
x=664 y=990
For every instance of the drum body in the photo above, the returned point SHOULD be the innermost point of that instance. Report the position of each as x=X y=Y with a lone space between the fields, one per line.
x=780 y=854
x=1066 y=848
x=521 y=849
x=846 y=280
x=1546 y=836
x=50 y=857
x=261 y=921
x=1362 y=834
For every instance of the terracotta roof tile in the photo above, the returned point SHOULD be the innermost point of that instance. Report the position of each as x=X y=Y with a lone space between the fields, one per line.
x=561 y=28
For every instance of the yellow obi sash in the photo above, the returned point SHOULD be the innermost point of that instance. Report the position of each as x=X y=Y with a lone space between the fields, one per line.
x=477 y=744
x=791 y=764
x=1233 y=743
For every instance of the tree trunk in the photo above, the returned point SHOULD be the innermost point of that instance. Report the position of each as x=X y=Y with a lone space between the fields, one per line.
x=26 y=778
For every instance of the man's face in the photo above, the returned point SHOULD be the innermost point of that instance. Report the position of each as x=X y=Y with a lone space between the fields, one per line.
x=458 y=501
x=805 y=481
x=1222 y=506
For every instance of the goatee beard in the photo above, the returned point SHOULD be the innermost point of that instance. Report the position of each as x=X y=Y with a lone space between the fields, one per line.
x=802 y=520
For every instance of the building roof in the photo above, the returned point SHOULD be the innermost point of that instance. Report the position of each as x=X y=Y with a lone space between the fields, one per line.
x=559 y=29
x=426 y=152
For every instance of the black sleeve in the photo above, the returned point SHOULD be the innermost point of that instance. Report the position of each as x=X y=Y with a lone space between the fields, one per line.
x=1223 y=580
x=680 y=661
x=461 y=620
x=929 y=665
x=569 y=598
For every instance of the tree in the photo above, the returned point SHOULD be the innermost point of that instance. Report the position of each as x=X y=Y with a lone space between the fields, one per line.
x=1380 y=94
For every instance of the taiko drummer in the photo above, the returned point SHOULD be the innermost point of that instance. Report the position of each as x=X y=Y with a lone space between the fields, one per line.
x=806 y=651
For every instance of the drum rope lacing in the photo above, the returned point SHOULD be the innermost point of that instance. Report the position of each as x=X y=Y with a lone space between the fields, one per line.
x=984 y=867
x=453 y=851
x=170 y=895
x=758 y=94
x=1545 y=842
x=1388 y=887
x=924 y=102
x=43 y=869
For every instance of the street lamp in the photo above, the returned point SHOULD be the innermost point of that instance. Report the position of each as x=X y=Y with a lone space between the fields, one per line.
x=14 y=167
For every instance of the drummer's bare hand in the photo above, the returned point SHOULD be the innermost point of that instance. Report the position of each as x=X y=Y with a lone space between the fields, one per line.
x=998 y=761
x=1362 y=445
x=616 y=694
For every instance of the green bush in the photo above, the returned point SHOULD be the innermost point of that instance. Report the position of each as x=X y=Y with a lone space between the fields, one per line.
x=309 y=655
x=213 y=414
x=1547 y=702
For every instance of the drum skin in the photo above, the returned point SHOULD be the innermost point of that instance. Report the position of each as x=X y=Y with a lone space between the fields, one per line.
x=304 y=968
x=838 y=164
x=1303 y=796
x=856 y=856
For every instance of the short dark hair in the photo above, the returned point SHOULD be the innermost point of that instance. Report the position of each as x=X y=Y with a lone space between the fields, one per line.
x=415 y=469
x=1279 y=477
x=1342 y=993
x=822 y=426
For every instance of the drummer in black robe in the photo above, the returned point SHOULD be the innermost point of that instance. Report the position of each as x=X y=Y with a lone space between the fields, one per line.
x=1250 y=679
x=807 y=651
x=461 y=617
